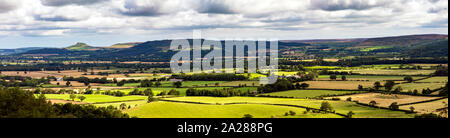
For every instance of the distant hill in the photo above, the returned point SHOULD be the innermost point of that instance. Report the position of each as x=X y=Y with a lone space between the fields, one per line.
x=18 y=51
x=124 y=45
x=402 y=46
x=402 y=40
x=82 y=46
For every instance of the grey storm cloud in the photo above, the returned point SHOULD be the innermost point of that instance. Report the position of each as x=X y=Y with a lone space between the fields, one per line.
x=132 y=8
x=6 y=6
x=69 y=2
x=215 y=7
x=337 y=5
x=55 y=18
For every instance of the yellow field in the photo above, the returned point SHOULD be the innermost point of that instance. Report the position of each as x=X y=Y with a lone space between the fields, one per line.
x=346 y=85
x=386 y=100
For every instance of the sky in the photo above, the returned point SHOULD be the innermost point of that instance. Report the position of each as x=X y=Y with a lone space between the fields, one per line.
x=61 y=23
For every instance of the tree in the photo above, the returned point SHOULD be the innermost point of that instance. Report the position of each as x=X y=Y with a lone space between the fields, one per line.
x=333 y=77
x=292 y=113
x=68 y=83
x=157 y=84
x=412 y=109
x=86 y=83
x=73 y=96
x=151 y=99
x=248 y=116
x=344 y=78
x=326 y=106
x=297 y=86
x=444 y=91
x=408 y=79
x=304 y=85
x=389 y=85
x=373 y=103
x=398 y=90
x=123 y=106
x=360 y=87
x=394 y=106
x=82 y=98
x=349 y=99
x=174 y=92
x=350 y=114
x=148 y=92
x=177 y=84
x=377 y=85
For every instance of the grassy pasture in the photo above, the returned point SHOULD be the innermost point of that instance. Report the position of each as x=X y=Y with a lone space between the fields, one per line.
x=375 y=48
x=364 y=77
x=339 y=106
x=384 y=100
x=308 y=93
x=344 y=85
x=184 y=110
x=435 y=80
x=158 y=90
x=419 y=86
x=237 y=83
x=133 y=104
x=429 y=107
x=390 y=72
x=96 y=98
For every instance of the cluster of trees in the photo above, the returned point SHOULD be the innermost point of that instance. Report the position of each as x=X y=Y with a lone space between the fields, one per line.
x=87 y=81
x=280 y=85
x=18 y=81
x=226 y=92
x=17 y=103
x=210 y=77
x=146 y=92
x=441 y=71
x=114 y=93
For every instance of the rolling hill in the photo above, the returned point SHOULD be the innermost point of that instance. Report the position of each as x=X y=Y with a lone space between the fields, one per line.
x=402 y=46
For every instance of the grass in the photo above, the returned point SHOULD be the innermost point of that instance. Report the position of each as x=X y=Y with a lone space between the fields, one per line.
x=375 y=48
x=429 y=107
x=309 y=93
x=365 y=77
x=133 y=104
x=184 y=110
x=403 y=72
x=343 y=85
x=96 y=98
x=340 y=106
x=419 y=86
x=321 y=67
x=435 y=80
x=237 y=83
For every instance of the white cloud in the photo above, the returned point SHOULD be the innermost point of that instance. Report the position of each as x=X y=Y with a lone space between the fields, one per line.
x=70 y=17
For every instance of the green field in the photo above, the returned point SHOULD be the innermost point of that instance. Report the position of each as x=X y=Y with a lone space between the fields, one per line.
x=309 y=93
x=419 y=86
x=184 y=110
x=96 y=98
x=367 y=77
x=237 y=83
x=403 y=72
x=375 y=48
x=340 y=106
x=133 y=104
x=435 y=80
